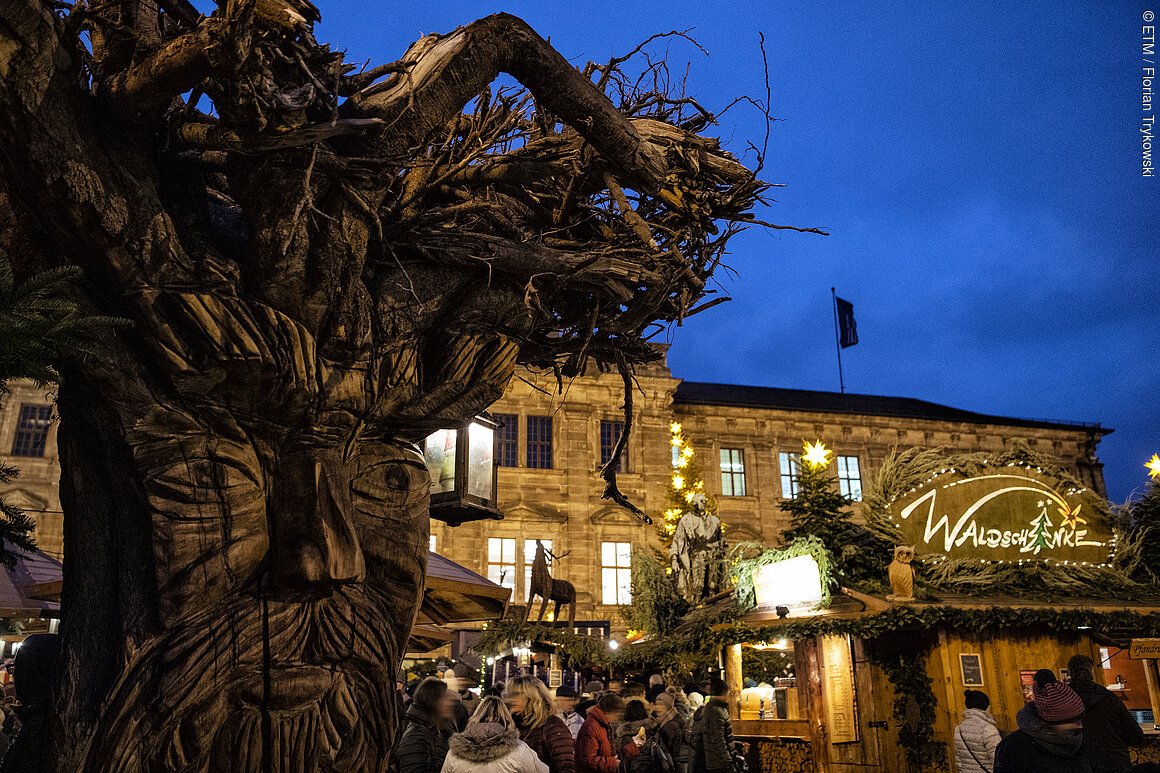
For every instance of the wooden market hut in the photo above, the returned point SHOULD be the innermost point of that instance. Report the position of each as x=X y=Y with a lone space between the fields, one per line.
x=1020 y=567
x=880 y=686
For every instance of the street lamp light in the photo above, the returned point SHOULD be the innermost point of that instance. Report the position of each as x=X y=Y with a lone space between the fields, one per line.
x=463 y=475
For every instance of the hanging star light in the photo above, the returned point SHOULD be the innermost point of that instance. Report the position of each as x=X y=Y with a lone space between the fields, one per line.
x=1153 y=466
x=815 y=454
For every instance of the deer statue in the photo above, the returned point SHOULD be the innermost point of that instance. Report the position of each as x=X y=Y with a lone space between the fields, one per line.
x=549 y=588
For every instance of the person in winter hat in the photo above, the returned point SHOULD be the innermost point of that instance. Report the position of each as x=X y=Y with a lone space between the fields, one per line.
x=34 y=669
x=673 y=726
x=469 y=699
x=1050 y=734
x=566 y=706
x=976 y=738
x=491 y=744
x=1108 y=728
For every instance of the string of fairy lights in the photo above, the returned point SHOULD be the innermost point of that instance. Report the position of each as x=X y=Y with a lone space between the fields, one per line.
x=685 y=483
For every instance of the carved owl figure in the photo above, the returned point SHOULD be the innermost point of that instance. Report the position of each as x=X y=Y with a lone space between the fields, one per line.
x=902 y=573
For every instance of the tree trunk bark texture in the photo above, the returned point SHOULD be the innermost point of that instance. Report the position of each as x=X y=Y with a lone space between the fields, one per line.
x=319 y=271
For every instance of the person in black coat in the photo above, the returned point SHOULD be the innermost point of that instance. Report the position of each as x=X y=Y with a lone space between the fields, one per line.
x=713 y=747
x=428 y=723
x=1108 y=727
x=34 y=669
x=1050 y=736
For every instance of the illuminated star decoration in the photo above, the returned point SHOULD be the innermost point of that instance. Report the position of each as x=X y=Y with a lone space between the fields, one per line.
x=815 y=454
x=1153 y=466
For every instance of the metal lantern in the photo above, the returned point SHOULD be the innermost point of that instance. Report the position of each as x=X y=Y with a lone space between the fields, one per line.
x=462 y=463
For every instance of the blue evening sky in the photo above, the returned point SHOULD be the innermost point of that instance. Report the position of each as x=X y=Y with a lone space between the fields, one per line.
x=978 y=165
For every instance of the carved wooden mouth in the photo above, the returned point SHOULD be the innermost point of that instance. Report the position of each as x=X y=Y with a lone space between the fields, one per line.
x=289 y=687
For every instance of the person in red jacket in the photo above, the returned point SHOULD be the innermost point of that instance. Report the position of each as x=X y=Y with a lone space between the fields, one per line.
x=595 y=752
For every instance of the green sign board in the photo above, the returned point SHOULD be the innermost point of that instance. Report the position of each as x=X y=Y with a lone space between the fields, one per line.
x=1009 y=513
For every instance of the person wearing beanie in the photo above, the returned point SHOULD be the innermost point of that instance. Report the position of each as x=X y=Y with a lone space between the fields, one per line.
x=1050 y=734
x=1108 y=727
x=566 y=705
x=976 y=737
x=673 y=727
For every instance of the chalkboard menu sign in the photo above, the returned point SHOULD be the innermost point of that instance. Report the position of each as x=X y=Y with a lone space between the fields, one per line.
x=971 y=667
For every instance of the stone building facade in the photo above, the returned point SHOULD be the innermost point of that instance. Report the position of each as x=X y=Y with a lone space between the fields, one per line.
x=550 y=489
x=28 y=443
x=551 y=447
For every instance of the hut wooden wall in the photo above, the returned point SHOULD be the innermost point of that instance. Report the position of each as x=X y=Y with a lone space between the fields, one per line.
x=1002 y=659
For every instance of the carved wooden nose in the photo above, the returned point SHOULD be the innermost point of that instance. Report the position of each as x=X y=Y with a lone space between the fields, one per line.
x=313 y=543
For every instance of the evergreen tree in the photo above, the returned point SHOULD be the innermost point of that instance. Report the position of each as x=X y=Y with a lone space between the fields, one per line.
x=39 y=322
x=819 y=509
x=1144 y=527
x=686 y=483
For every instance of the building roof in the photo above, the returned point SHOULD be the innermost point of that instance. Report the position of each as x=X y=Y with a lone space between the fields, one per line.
x=455 y=594
x=805 y=400
x=22 y=586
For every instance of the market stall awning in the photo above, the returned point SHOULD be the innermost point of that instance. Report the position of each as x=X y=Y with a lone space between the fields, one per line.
x=425 y=638
x=31 y=587
x=455 y=594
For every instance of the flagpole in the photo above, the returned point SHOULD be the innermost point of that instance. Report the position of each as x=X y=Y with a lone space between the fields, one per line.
x=838 y=340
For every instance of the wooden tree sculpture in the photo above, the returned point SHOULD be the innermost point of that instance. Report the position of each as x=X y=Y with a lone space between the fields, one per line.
x=549 y=588
x=320 y=269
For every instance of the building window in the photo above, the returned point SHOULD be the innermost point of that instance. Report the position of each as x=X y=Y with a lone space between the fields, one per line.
x=501 y=561
x=616 y=572
x=529 y=559
x=431 y=542
x=540 y=442
x=732 y=472
x=610 y=432
x=32 y=430
x=850 y=477
x=509 y=439
x=787 y=464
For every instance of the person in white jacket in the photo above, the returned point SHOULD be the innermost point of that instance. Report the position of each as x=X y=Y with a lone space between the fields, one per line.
x=491 y=744
x=976 y=737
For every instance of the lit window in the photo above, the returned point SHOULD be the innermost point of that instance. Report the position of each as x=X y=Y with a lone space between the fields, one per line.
x=529 y=558
x=610 y=432
x=787 y=464
x=32 y=430
x=501 y=561
x=509 y=439
x=850 y=477
x=616 y=572
x=732 y=472
x=540 y=442
x=431 y=543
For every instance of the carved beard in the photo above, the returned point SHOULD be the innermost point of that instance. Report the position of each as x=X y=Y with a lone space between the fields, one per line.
x=204 y=691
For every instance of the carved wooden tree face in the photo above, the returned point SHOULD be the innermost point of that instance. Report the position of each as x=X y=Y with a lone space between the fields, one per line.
x=320 y=272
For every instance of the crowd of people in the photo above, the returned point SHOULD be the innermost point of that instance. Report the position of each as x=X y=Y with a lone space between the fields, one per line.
x=1077 y=726
x=522 y=727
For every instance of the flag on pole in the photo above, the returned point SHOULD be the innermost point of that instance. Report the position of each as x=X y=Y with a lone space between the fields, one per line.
x=847 y=327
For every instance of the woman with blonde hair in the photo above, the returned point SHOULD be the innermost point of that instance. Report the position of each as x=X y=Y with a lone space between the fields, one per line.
x=534 y=711
x=491 y=744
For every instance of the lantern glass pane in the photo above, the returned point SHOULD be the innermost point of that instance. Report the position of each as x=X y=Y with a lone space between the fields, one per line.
x=480 y=460
x=439 y=453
